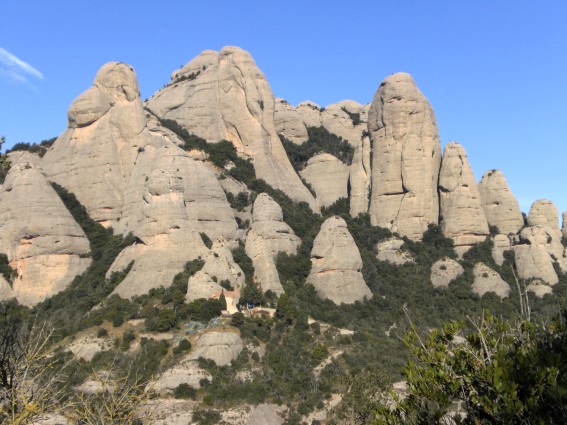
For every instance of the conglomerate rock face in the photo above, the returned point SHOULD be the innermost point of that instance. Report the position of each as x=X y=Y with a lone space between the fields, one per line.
x=532 y=257
x=462 y=214
x=359 y=177
x=43 y=243
x=336 y=264
x=501 y=207
x=95 y=157
x=545 y=214
x=288 y=122
x=444 y=271
x=487 y=280
x=328 y=176
x=405 y=158
x=223 y=95
x=268 y=235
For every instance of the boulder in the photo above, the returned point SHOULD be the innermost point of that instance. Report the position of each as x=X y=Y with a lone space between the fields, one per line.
x=44 y=244
x=201 y=285
x=288 y=122
x=223 y=95
x=532 y=257
x=219 y=263
x=221 y=347
x=359 y=178
x=500 y=206
x=336 y=264
x=487 y=280
x=390 y=251
x=539 y=288
x=405 y=158
x=462 y=215
x=328 y=176
x=444 y=271
x=268 y=235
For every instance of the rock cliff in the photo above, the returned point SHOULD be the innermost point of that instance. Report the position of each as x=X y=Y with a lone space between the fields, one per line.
x=462 y=215
x=268 y=236
x=405 y=158
x=328 y=177
x=44 y=244
x=223 y=95
x=336 y=264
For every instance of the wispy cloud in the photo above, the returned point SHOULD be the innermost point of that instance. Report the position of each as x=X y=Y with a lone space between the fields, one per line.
x=17 y=69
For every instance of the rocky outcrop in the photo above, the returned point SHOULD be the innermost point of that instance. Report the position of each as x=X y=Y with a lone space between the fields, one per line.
x=564 y=225
x=444 y=271
x=405 y=158
x=462 y=215
x=310 y=113
x=185 y=372
x=336 y=264
x=359 y=178
x=201 y=285
x=223 y=95
x=545 y=214
x=502 y=243
x=328 y=177
x=265 y=414
x=500 y=206
x=219 y=263
x=95 y=157
x=179 y=199
x=539 y=288
x=43 y=243
x=221 y=347
x=532 y=257
x=288 y=122
x=268 y=236
x=347 y=119
x=487 y=280
x=390 y=251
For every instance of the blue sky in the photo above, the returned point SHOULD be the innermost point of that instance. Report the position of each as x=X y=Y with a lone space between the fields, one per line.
x=494 y=71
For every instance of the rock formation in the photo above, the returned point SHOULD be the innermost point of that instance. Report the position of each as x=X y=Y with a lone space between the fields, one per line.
x=310 y=113
x=268 y=236
x=500 y=205
x=390 y=250
x=502 y=243
x=487 y=280
x=347 y=119
x=288 y=122
x=532 y=257
x=545 y=214
x=219 y=263
x=359 y=178
x=223 y=95
x=43 y=243
x=336 y=264
x=328 y=177
x=94 y=158
x=221 y=347
x=405 y=158
x=564 y=225
x=462 y=215
x=179 y=199
x=444 y=271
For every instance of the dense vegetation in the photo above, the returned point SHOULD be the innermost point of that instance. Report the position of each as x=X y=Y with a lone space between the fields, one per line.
x=38 y=148
x=320 y=141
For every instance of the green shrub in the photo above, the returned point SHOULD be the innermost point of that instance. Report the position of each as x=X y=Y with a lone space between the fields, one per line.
x=185 y=391
x=206 y=240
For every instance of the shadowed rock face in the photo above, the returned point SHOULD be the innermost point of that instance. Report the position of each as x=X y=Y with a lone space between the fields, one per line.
x=43 y=242
x=336 y=264
x=462 y=214
x=359 y=178
x=500 y=205
x=405 y=158
x=223 y=95
x=269 y=235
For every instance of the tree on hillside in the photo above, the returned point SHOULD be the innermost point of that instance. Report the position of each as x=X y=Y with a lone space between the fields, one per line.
x=499 y=373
